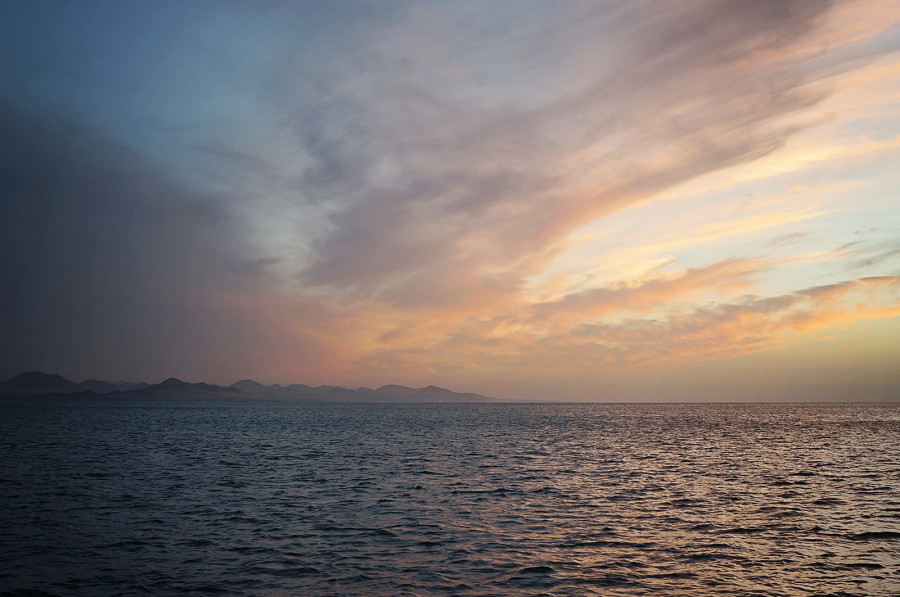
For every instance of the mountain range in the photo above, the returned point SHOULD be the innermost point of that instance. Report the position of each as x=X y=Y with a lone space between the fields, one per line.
x=36 y=383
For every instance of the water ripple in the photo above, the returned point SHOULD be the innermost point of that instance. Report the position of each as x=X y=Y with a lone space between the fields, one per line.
x=443 y=499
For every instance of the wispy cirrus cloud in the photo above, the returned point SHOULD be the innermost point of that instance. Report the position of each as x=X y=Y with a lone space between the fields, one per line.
x=719 y=329
x=419 y=192
x=482 y=185
x=649 y=294
x=750 y=325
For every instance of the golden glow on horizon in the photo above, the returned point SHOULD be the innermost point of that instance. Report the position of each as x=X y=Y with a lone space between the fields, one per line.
x=480 y=196
x=612 y=292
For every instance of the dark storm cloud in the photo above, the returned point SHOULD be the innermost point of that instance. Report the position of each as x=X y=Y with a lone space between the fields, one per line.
x=319 y=190
x=107 y=263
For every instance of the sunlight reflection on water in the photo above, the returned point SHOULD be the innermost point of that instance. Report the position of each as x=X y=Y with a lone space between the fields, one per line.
x=267 y=499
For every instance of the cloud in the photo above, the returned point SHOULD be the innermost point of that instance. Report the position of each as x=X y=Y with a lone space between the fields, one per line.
x=887 y=252
x=109 y=263
x=455 y=166
x=729 y=329
x=330 y=192
x=722 y=330
x=441 y=178
x=655 y=322
x=648 y=294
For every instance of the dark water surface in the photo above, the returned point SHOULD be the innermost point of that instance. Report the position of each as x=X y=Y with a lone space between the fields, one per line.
x=449 y=499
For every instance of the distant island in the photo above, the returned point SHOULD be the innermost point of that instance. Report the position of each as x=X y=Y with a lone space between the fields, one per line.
x=47 y=385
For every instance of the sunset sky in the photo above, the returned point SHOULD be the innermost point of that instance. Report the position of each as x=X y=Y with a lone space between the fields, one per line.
x=599 y=200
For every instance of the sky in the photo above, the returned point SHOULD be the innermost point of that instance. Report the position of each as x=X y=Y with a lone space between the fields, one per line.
x=535 y=200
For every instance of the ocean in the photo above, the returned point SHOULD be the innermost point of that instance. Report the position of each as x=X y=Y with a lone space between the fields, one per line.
x=116 y=498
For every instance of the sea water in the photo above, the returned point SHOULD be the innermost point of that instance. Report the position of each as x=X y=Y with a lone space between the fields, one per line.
x=116 y=498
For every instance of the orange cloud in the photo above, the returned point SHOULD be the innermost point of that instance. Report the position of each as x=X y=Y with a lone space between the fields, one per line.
x=646 y=295
x=735 y=328
x=568 y=337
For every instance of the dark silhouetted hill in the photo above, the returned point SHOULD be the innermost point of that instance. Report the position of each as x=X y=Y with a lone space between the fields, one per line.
x=36 y=383
x=249 y=386
x=105 y=387
x=175 y=389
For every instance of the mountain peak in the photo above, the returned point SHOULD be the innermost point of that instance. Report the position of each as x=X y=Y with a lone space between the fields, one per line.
x=36 y=382
x=249 y=386
x=39 y=382
x=37 y=377
x=396 y=389
x=435 y=389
